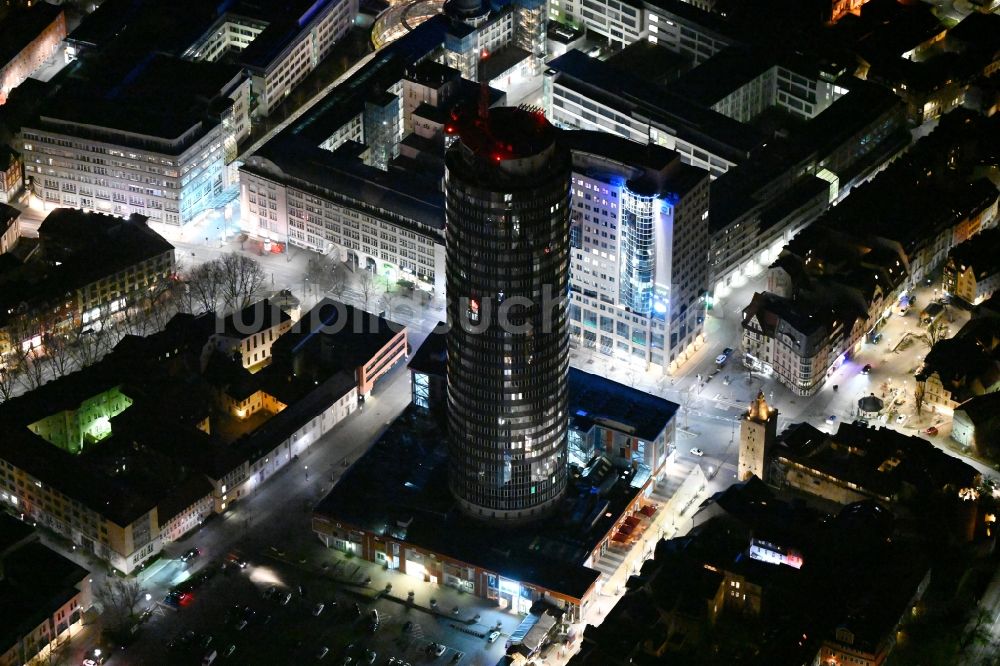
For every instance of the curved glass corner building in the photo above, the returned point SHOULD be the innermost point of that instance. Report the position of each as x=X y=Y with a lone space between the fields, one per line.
x=507 y=207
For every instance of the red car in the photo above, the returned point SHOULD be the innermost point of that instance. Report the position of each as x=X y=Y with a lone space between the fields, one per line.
x=931 y=431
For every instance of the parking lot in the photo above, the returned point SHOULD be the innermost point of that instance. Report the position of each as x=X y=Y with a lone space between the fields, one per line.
x=242 y=616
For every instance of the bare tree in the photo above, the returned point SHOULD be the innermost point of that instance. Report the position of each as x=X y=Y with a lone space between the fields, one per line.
x=240 y=280
x=338 y=281
x=9 y=380
x=89 y=346
x=32 y=368
x=368 y=285
x=59 y=356
x=321 y=271
x=160 y=304
x=936 y=332
x=118 y=598
x=202 y=288
x=918 y=396
x=387 y=302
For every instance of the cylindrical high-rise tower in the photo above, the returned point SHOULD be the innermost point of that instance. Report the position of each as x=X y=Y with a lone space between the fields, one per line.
x=507 y=204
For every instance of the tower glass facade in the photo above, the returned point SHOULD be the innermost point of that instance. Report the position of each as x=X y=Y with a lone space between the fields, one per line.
x=507 y=207
x=638 y=229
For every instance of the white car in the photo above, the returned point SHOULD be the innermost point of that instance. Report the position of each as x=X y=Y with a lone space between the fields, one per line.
x=830 y=420
x=697 y=452
x=318 y=609
x=900 y=418
x=493 y=636
x=322 y=652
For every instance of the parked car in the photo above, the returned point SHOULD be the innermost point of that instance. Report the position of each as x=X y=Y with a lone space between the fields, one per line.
x=323 y=651
x=436 y=649
x=286 y=599
x=493 y=636
x=697 y=452
x=318 y=609
x=373 y=621
x=724 y=356
x=900 y=418
x=370 y=656
x=241 y=625
x=229 y=651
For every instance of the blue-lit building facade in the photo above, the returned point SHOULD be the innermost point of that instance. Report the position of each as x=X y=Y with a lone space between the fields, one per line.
x=639 y=240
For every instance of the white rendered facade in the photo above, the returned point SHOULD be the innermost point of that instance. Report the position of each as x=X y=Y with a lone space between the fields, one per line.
x=354 y=230
x=274 y=80
x=616 y=21
x=565 y=107
x=169 y=180
x=605 y=314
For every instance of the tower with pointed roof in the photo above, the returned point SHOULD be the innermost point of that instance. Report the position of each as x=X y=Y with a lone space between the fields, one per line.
x=758 y=431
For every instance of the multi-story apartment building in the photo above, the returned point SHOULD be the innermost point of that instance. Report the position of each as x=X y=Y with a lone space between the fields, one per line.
x=43 y=594
x=251 y=332
x=963 y=367
x=11 y=174
x=134 y=451
x=639 y=238
x=61 y=288
x=837 y=281
x=102 y=146
x=10 y=227
x=28 y=37
x=972 y=270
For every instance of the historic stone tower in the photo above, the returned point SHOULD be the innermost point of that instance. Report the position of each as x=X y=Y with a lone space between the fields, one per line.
x=758 y=430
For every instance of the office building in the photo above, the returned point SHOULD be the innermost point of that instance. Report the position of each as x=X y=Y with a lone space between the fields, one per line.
x=277 y=44
x=28 y=37
x=639 y=239
x=507 y=207
x=394 y=506
x=100 y=144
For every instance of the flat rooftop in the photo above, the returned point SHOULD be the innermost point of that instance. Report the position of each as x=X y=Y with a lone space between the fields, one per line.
x=621 y=90
x=399 y=488
x=37 y=582
x=105 y=95
x=70 y=239
x=403 y=480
